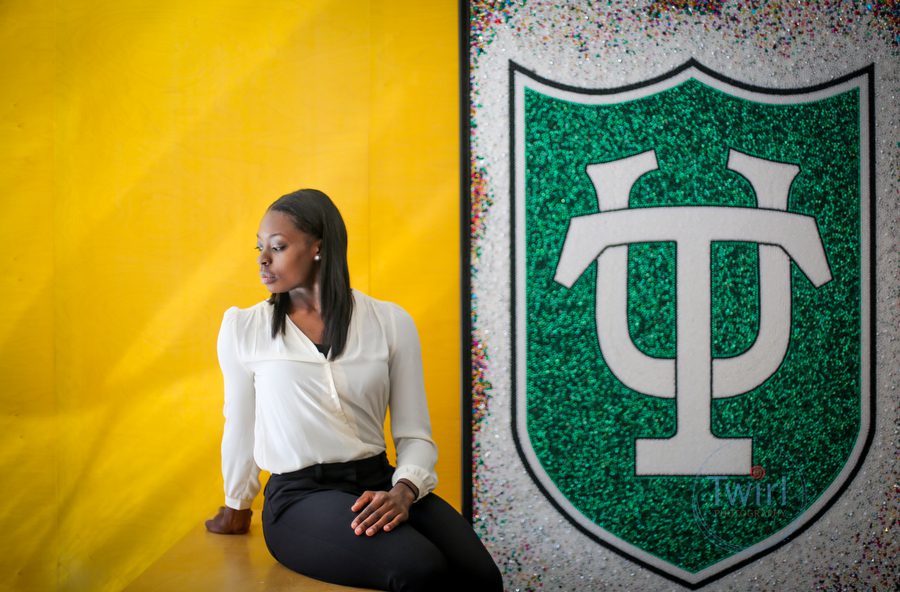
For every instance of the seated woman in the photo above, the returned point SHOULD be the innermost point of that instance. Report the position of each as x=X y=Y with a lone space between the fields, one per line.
x=309 y=376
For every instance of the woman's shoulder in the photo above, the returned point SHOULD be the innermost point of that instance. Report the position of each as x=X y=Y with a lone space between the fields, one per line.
x=247 y=318
x=392 y=318
x=380 y=308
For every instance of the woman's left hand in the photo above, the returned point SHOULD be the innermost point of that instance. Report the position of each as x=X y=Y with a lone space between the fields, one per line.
x=382 y=510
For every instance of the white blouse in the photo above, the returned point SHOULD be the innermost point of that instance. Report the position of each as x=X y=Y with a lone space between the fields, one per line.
x=288 y=407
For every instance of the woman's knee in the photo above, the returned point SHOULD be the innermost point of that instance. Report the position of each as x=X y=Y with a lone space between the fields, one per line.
x=426 y=570
x=433 y=574
x=486 y=577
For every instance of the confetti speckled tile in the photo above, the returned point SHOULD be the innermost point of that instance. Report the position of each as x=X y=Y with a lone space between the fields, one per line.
x=558 y=494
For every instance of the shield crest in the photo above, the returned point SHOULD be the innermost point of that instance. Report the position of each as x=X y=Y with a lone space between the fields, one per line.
x=692 y=303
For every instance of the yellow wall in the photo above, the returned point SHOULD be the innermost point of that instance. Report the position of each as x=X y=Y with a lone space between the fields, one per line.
x=139 y=145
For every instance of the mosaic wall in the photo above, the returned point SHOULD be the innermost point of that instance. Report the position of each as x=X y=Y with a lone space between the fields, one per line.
x=685 y=293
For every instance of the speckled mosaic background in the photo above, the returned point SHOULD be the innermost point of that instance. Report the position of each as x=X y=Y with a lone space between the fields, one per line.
x=609 y=45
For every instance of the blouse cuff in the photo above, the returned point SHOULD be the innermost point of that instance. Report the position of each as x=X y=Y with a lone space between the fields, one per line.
x=238 y=504
x=422 y=479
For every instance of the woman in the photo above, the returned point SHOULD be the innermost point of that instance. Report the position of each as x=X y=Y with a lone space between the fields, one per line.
x=309 y=375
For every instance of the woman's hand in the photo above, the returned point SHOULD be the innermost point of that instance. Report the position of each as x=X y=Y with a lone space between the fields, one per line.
x=230 y=521
x=382 y=510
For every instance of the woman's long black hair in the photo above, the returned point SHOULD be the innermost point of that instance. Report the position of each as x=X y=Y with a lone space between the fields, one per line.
x=314 y=213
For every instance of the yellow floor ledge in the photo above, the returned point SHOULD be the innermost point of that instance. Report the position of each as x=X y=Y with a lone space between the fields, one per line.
x=202 y=561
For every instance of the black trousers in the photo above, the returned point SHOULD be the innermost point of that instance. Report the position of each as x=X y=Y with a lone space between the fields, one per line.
x=306 y=522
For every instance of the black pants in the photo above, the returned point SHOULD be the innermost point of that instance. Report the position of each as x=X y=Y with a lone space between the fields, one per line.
x=306 y=522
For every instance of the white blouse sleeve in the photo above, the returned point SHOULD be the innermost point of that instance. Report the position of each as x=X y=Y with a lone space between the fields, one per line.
x=239 y=470
x=410 y=424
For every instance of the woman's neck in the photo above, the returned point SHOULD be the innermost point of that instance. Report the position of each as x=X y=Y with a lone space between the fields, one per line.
x=305 y=313
x=306 y=300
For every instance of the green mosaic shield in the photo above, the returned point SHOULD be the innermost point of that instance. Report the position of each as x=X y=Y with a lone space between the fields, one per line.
x=692 y=303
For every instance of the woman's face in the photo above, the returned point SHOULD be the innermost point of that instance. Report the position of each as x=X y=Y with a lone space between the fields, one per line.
x=286 y=254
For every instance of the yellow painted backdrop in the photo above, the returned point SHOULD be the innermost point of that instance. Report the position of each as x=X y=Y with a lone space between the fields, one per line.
x=139 y=144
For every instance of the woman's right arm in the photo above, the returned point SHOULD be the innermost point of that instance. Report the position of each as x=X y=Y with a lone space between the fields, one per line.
x=239 y=470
